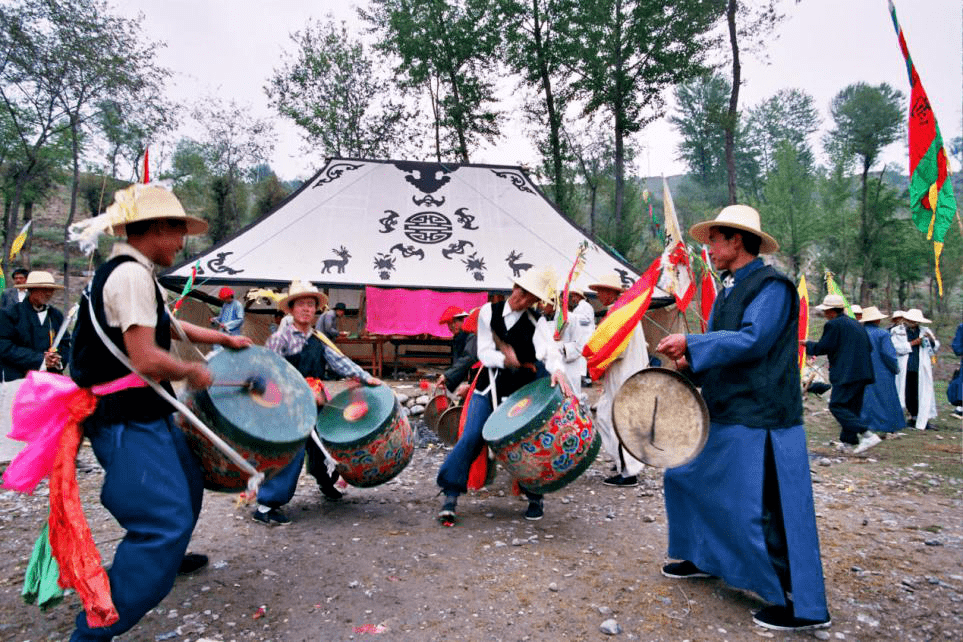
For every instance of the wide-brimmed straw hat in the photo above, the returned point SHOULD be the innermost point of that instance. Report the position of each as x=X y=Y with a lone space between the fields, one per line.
x=856 y=309
x=872 y=313
x=298 y=290
x=149 y=202
x=832 y=302
x=740 y=217
x=610 y=281
x=913 y=314
x=538 y=281
x=39 y=279
x=898 y=314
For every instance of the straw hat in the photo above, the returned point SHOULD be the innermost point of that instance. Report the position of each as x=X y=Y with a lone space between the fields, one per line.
x=298 y=290
x=573 y=288
x=740 y=217
x=913 y=314
x=149 y=202
x=610 y=281
x=856 y=309
x=897 y=314
x=39 y=279
x=832 y=302
x=871 y=314
x=538 y=281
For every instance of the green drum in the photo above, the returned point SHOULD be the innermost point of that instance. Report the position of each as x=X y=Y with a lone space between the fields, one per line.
x=267 y=424
x=366 y=433
x=543 y=438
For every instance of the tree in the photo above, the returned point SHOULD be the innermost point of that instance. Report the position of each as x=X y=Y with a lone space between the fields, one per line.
x=538 y=55
x=789 y=116
x=446 y=47
x=789 y=209
x=624 y=55
x=129 y=127
x=866 y=120
x=233 y=141
x=330 y=88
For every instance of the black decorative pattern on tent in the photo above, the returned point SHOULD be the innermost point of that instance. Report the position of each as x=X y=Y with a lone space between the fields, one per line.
x=337 y=263
x=428 y=227
x=428 y=201
x=408 y=251
x=517 y=268
x=475 y=265
x=625 y=278
x=384 y=264
x=466 y=220
x=216 y=265
x=389 y=222
x=428 y=178
x=458 y=247
x=517 y=179
x=334 y=172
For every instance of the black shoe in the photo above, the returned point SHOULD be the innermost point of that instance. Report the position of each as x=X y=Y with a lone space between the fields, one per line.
x=192 y=563
x=781 y=618
x=273 y=516
x=683 y=571
x=447 y=513
x=930 y=426
x=619 y=480
x=911 y=422
x=330 y=492
x=535 y=511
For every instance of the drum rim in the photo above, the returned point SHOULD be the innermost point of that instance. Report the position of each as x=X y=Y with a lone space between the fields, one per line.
x=459 y=408
x=556 y=399
x=702 y=406
x=436 y=415
x=365 y=438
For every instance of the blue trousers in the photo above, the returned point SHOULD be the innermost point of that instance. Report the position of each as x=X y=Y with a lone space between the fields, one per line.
x=278 y=491
x=153 y=486
x=453 y=474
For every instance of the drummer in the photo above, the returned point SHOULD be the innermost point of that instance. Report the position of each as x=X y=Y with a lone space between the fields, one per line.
x=154 y=484
x=635 y=357
x=312 y=353
x=463 y=349
x=743 y=509
x=515 y=347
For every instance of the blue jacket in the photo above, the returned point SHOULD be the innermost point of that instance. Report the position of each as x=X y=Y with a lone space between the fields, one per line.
x=23 y=339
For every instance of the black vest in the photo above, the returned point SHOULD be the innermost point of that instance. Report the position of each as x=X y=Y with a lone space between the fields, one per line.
x=520 y=339
x=92 y=363
x=310 y=362
x=763 y=393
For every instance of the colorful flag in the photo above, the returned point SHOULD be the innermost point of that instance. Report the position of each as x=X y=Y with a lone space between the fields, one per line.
x=931 y=195
x=832 y=288
x=146 y=167
x=20 y=240
x=803 y=320
x=677 y=277
x=656 y=228
x=187 y=287
x=612 y=336
x=709 y=292
x=561 y=314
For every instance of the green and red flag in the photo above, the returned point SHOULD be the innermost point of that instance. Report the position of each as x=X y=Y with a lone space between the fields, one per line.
x=187 y=287
x=931 y=194
x=832 y=288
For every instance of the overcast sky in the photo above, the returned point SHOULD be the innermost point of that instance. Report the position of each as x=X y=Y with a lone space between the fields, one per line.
x=230 y=47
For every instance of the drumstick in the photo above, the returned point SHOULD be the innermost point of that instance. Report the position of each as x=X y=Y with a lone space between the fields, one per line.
x=255 y=383
x=655 y=409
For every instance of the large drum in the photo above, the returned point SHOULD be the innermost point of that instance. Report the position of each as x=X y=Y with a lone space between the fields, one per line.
x=660 y=418
x=543 y=438
x=366 y=433
x=266 y=423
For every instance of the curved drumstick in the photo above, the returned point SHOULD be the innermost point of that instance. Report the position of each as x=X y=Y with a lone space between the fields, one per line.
x=655 y=409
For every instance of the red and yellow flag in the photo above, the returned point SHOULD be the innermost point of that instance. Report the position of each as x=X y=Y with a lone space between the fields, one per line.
x=612 y=336
x=803 y=320
x=931 y=196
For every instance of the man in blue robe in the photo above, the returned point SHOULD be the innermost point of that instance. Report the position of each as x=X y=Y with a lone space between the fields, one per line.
x=743 y=509
x=882 y=410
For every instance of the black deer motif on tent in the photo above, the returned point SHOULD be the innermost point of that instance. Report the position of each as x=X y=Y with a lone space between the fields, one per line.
x=517 y=268
x=337 y=263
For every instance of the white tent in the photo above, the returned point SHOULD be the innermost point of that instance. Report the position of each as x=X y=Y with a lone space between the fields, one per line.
x=404 y=224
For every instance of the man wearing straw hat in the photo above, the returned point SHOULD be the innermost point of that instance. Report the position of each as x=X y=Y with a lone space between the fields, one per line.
x=848 y=348
x=27 y=330
x=313 y=354
x=743 y=509
x=153 y=484
x=515 y=347
x=635 y=357
x=881 y=411
x=919 y=395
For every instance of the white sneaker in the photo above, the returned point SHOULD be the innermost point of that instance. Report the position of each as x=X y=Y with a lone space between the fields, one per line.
x=866 y=441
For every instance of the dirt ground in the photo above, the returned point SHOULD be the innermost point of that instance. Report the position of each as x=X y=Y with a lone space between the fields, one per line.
x=377 y=564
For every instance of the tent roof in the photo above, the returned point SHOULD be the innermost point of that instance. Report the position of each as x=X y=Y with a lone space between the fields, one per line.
x=407 y=224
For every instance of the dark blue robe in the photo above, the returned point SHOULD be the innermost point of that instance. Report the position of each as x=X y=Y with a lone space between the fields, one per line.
x=882 y=411
x=714 y=504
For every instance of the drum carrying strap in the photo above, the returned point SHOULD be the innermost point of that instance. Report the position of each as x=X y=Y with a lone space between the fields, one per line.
x=255 y=478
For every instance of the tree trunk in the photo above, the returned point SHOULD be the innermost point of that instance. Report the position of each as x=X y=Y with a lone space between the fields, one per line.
x=554 y=119
x=75 y=184
x=731 y=120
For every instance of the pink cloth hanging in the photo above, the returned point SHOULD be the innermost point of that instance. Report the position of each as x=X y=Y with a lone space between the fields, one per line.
x=413 y=312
